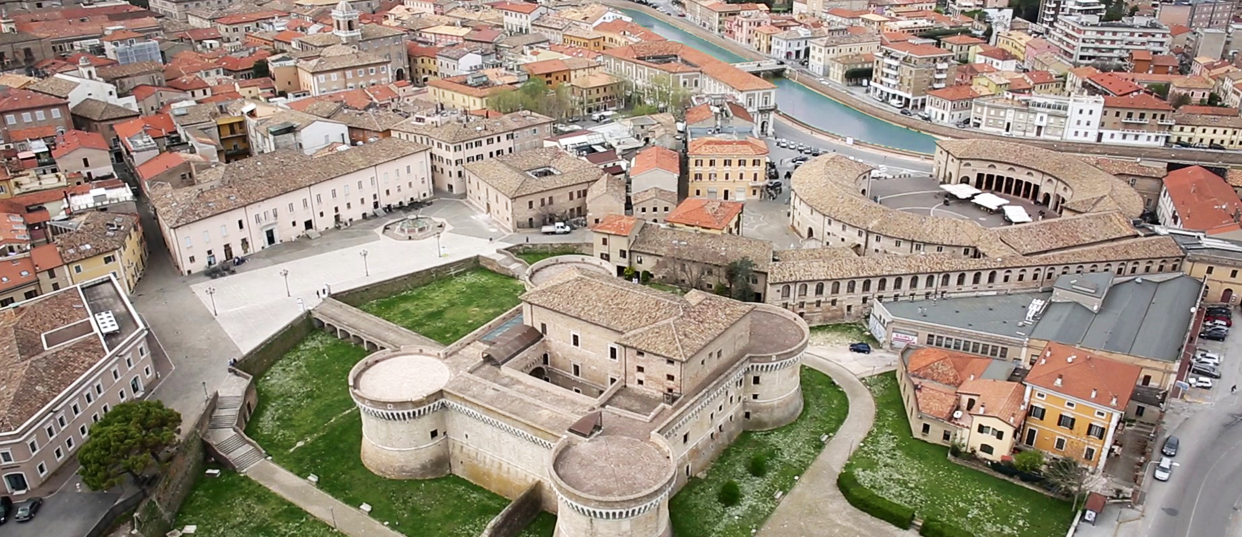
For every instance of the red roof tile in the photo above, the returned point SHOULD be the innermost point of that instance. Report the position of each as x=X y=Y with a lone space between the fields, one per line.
x=615 y=224
x=1084 y=376
x=656 y=158
x=73 y=140
x=1203 y=200
x=706 y=213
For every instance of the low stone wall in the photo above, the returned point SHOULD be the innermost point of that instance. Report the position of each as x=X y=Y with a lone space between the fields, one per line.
x=517 y=515
x=550 y=247
x=257 y=361
x=155 y=516
x=361 y=295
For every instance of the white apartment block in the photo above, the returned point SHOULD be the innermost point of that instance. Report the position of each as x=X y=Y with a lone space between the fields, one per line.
x=1084 y=39
x=456 y=140
x=250 y=204
x=1051 y=10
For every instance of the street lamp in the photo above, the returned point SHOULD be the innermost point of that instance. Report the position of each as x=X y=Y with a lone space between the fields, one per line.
x=365 y=267
x=211 y=292
x=439 y=249
x=284 y=273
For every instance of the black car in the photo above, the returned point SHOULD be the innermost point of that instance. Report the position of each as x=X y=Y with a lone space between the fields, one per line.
x=860 y=347
x=1219 y=312
x=1217 y=147
x=6 y=506
x=906 y=112
x=1170 y=446
x=1214 y=334
x=1206 y=371
x=27 y=509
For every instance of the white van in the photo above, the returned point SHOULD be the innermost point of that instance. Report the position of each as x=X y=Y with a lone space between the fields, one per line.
x=600 y=117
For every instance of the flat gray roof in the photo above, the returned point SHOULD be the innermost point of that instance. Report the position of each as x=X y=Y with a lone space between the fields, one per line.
x=1145 y=316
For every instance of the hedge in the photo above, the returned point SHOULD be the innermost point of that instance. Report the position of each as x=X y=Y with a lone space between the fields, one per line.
x=872 y=504
x=935 y=527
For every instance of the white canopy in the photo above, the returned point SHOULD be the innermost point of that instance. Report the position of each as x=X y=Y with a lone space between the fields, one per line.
x=990 y=201
x=961 y=191
x=1016 y=214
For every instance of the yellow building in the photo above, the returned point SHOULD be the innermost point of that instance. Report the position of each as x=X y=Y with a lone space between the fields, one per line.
x=1075 y=400
x=727 y=167
x=1220 y=270
x=1208 y=125
x=423 y=66
x=96 y=244
x=763 y=38
x=584 y=38
x=234 y=142
x=457 y=92
x=1014 y=42
x=595 y=93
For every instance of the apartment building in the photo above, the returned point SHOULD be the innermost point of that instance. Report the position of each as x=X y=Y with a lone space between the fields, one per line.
x=237 y=208
x=1048 y=117
x=96 y=245
x=951 y=105
x=467 y=92
x=1208 y=126
x=1076 y=400
x=824 y=49
x=727 y=167
x=97 y=345
x=528 y=189
x=1139 y=119
x=375 y=39
x=30 y=115
x=456 y=140
x=1052 y=10
x=1196 y=199
x=342 y=67
x=1198 y=14
x=1086 y=39
x=903 y=73
x=519 y=15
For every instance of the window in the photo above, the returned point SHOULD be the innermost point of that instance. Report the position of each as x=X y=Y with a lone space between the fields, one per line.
x=926 y=428
x=1060 y=444
x=1096 y=431
x=82 y=430
x=946 y=436
x=69 y=443
x=26 y=118
x=40 y=117
x=1038 y=412
x=1089 y=454
x=33 y=445
x=575 y=340
x=1071 y=404
x=612 y=352
x=1066 y=421
x=6 y=456
x=50 y=432
x=42 y=469
x=986 y=449
x=754 y=380
x=60 y=421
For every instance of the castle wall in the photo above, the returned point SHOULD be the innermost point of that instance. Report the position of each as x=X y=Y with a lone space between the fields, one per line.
x=407 y=447
x=496 y=459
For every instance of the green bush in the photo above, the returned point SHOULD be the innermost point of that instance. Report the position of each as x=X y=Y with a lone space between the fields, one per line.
x=730 y=494
x=758 y=464
x=644 y=277
x=869 y=502
x=935 y=527
x=630 y=273
x=1029 y=461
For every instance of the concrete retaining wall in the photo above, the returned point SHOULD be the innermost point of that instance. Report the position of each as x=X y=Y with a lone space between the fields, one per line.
x=517 y=515
x=362 y=295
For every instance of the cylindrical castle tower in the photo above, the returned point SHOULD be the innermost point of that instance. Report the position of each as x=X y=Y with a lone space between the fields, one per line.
x=612 y=486
x=404 y=431
x=773 y=382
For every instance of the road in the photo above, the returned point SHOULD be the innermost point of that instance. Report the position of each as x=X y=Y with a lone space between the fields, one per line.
x=1203 y=496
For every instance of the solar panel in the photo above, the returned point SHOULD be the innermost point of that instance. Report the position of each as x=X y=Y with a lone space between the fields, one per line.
x=107 y=322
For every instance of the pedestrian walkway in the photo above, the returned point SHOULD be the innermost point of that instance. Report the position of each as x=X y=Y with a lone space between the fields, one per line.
x=344 y=518
x=815 y=506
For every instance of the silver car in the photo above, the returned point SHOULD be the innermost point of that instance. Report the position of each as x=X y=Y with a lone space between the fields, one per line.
x=1164 y=470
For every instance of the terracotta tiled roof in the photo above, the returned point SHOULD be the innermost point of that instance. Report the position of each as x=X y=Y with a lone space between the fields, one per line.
x=706 y=213
x=516 y=7
x=962 y=40
x=1141 y=101
x=1203 y=200
x=955 y=93
x=1076 y=372
x=1114 y=84
x=19 y=99
x=615 y=224
x=75 y=139
x=163 y=162
x=45 y=256
x=726 y=146
x=656 y=157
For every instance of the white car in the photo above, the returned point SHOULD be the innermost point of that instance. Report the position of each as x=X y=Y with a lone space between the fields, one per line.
x=1200 y=382
x=1218 y=323
x=1209 y=355
x=1164 y=470
x=1212 y=361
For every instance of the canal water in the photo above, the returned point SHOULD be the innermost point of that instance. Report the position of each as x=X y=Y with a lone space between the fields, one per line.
x=808 y=106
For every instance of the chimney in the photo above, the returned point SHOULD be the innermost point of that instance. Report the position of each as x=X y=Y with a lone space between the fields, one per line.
x=1057 y=382
x=1093 y=393
x=983 y=409
x=1114 y=403
x=1070 y=359
x=1043 y=361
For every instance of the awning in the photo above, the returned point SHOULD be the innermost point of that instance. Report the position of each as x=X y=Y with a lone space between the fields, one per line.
x=961 y=191
x=1016 y=214
x=990 y=201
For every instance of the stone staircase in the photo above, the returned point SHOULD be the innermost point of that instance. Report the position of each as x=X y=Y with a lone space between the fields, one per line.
x=241 y=452
x=509 y=262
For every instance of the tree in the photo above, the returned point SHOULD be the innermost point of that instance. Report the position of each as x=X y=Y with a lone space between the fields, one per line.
x=667 y=93
x=1180 y=100
x=533 y=95
x=1025 y=9
x=1067 y=477
x=1029 y=461
x=127 y=441
x=1115 y=11
x=1161 y=90
x=739 y=274
x=261 y=69
x=1213 y=99
x=730 y=493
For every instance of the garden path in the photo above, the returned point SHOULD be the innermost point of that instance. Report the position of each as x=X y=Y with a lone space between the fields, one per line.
x=815 y=506
x=346 y=519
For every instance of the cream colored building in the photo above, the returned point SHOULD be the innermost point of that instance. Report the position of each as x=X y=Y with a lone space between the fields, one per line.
x=727 y=167
x=828 y=48
x=342 y=67
x=530 y=189
x=456 y=140
x=99 y=244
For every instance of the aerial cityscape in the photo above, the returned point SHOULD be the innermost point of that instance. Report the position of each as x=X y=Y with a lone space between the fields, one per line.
x=611 y=268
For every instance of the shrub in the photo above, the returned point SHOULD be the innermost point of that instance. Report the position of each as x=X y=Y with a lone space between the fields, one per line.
x=730 y=494
x=869 y=502
x=645 y=277
x=758 y=464
x=720 y=289
x=630 y=273
x=935 y=527
x=1029 y=461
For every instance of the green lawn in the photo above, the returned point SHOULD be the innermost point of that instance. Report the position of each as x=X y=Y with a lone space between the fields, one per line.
x=309 y=425
x=447 y=309
x=896 y=466
x=843 y=333
x=534 y=257
x=666 y=287
x=233 y=505
x=695 y=510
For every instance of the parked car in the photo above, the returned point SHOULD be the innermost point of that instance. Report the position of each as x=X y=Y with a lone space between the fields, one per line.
x=1219 y=320
x=1200 y=382
x=1220 y=311
x=1205 y=370
x=906 y=112
x=27 y=509
x=6 y=507
x=1164 y=470
x=860 y=347
x=559 y=228
x=1214 y=323
x=1208 y=355
x=1214 y=334
x=1170 y=446
x=1214 y=362
x=781 y=142
x=1217 y=147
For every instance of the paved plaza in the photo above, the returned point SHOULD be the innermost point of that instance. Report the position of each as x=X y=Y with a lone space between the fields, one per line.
x=922 y=195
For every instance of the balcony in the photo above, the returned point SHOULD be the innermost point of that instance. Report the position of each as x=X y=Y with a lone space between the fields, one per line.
x=889 y=71
x=1169 y=121
x=942 y=75
x=942 y=65
x=1134 y=121
x=938 y=85
x=892 y=61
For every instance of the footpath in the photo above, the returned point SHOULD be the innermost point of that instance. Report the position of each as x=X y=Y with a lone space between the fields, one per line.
x=815 y=506
x=319 y=504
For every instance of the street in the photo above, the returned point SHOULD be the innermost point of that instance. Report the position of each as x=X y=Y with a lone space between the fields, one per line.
x=1202 y=497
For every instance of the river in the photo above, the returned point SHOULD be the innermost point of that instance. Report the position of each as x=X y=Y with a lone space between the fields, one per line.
x=808 y=106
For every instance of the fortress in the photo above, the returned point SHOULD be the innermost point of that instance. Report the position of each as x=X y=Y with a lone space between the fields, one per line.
x=607 y=394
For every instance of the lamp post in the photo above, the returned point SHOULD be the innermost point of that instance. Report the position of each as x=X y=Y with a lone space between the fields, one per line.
x=284 y=273
x=439 y=249
x=211 y=292
x=366 y=268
